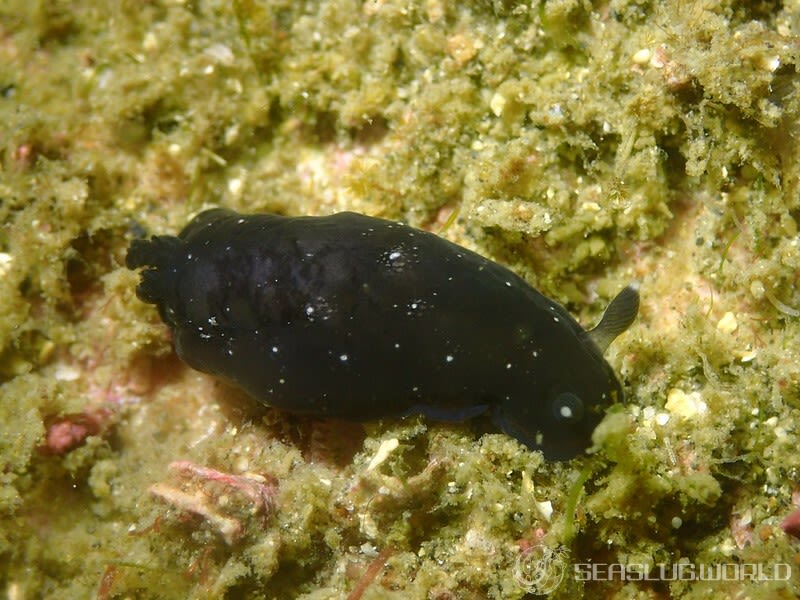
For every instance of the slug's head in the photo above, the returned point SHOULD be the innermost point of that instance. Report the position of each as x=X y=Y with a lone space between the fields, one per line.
x=175 y=276
x=577 y=386
x=158 y=284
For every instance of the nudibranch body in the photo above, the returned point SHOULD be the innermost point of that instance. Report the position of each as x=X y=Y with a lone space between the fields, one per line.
x=360 y=318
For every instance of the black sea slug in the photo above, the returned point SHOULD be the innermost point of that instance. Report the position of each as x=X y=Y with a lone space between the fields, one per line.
x=359 y=318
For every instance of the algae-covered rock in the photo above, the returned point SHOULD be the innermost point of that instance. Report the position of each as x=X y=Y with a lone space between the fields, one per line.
x=584 y=144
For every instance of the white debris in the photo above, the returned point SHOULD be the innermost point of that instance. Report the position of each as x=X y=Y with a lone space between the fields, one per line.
x=728 y=323
x=66 y=372
x=5 y=263
x=497 y=104
x=642 y=57
x=385 y=449
x=681 y=404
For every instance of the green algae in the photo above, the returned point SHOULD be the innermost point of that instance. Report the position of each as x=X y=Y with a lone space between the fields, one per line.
x=584 y=144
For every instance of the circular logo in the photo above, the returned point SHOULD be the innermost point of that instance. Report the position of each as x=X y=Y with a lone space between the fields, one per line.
x=540 y=569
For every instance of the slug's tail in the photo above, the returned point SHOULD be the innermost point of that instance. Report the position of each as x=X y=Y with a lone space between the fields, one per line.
x=619 y=315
